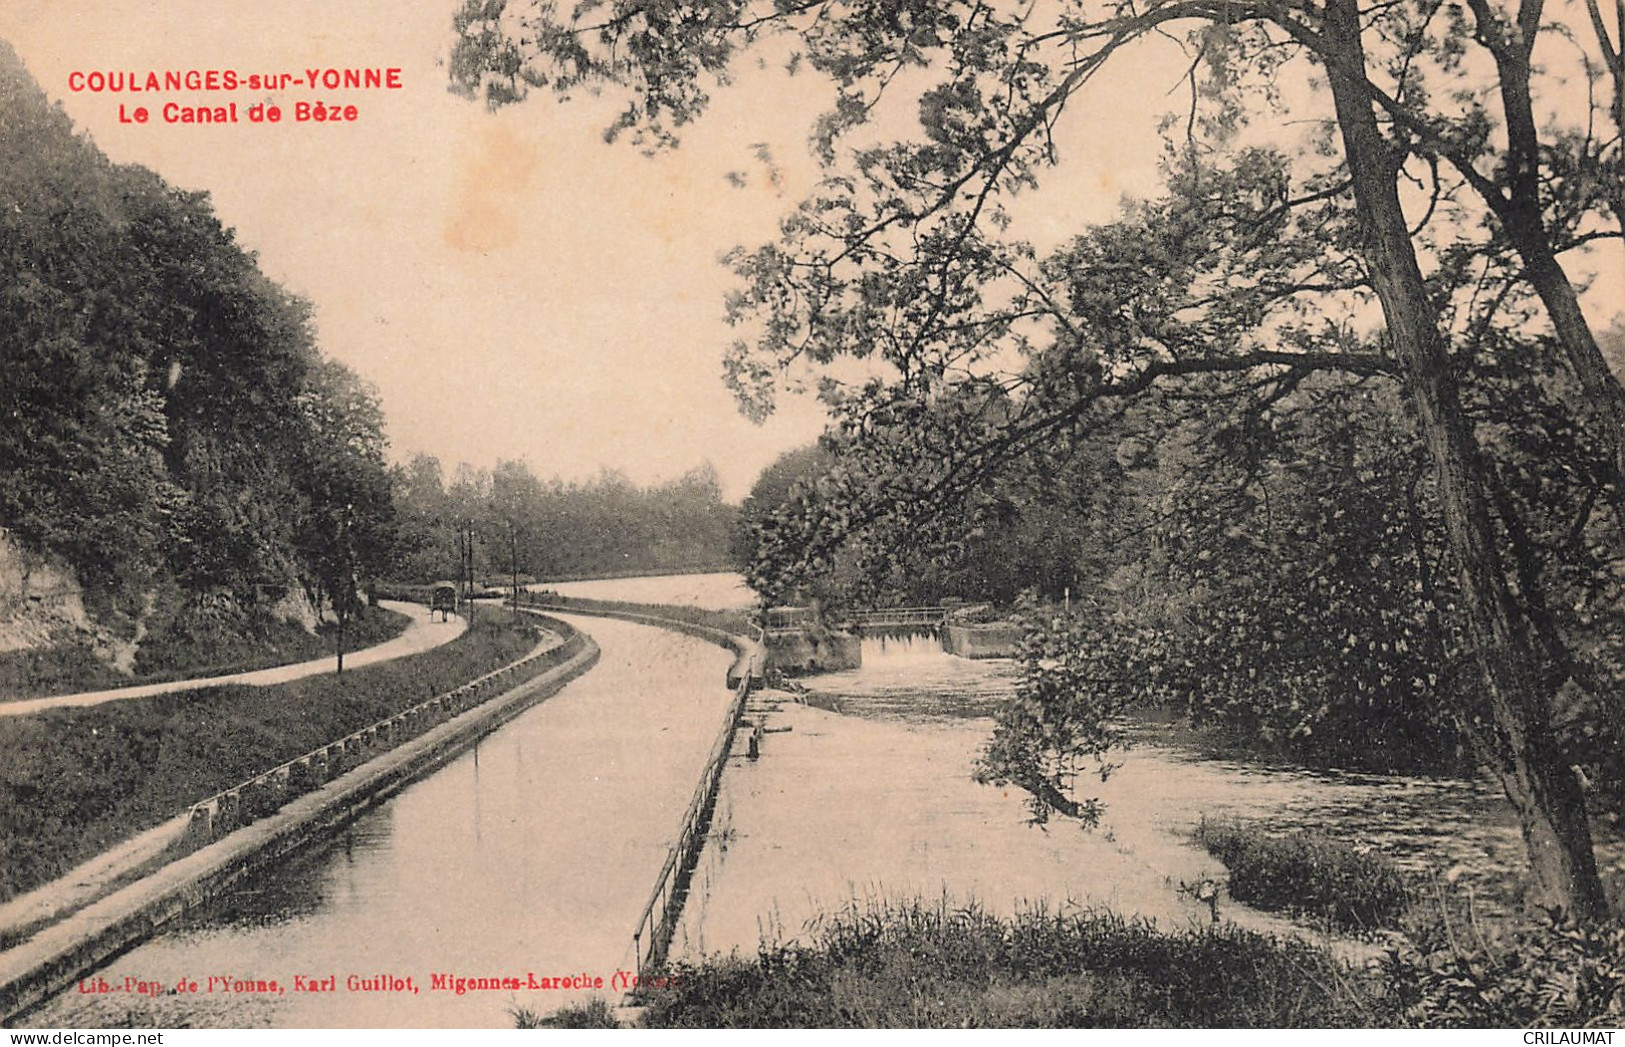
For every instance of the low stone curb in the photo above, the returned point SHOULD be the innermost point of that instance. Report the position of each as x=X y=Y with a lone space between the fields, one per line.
x=76 y=944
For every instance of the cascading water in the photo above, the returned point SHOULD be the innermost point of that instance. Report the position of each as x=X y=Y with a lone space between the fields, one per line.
x=889 y=649
x=907 y=675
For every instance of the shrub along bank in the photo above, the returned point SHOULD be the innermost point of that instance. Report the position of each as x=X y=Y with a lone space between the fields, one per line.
x=918 y=965
x=1307 y=874
x=74 y=782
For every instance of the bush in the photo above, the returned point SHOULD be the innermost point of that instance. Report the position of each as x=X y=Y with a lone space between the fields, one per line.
x=61 y=668
x=259 y=643
x=914 y=965
x=1307 y=874
x=1544 y=977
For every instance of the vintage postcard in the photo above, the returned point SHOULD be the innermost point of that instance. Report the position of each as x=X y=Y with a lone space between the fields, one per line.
x=752 y=513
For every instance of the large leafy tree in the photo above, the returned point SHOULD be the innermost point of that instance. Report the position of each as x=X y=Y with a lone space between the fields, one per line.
x=344 y=526
x=82 y=435
x=167 y=425
x=983 y=346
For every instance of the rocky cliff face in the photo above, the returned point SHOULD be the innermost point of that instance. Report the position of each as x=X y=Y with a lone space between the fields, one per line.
x=42 y=605
x=39 y=600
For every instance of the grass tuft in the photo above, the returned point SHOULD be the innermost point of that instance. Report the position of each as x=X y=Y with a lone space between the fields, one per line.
x=596 y=1013
x=1307 y=874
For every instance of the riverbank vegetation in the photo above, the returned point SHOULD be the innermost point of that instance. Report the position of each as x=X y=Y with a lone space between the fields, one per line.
x=1450 y=971
x=1307 y=875
x=76 y=781
x=914 y=965
x=920 y=965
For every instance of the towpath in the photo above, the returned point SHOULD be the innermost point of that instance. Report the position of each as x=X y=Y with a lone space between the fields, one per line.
x=421 y=635
x=528 y=857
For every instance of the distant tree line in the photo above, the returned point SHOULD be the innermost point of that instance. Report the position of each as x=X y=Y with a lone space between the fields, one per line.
x=168 y=428
x=539 y=529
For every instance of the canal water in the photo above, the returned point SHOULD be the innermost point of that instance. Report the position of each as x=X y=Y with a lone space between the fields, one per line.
x=532 y=855
x=719 y=591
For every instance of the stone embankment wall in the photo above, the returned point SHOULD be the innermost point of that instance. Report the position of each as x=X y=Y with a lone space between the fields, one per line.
x=808 y=651
x=997 y=640
x=230 y=836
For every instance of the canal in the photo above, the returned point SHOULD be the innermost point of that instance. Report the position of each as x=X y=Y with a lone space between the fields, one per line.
x=720 y=591
x=530 y=856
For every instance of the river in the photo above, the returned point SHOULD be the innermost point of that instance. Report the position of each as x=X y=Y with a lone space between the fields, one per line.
x=532 y=854
x=864 y=795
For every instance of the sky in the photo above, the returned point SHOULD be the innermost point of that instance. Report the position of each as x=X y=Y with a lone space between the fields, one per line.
x=513 y=286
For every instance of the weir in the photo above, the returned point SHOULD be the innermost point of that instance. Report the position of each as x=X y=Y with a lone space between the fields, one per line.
x=799 y=644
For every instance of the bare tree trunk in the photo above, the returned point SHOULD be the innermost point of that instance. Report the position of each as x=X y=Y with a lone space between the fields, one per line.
x=1518 y=740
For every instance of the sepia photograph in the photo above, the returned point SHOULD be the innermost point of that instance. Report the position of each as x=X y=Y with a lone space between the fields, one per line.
x=785 y=514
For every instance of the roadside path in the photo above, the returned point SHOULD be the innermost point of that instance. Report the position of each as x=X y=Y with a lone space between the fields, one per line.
x=419 y=636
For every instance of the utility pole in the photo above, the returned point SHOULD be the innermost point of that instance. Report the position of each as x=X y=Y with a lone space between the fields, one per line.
x=513 y=564
x=343 y=591
x=468 y=556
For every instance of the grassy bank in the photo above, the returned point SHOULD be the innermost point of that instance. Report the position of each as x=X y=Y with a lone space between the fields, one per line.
x=74 y=782
x=929 y=966
x=920 y=966
x=72 y=667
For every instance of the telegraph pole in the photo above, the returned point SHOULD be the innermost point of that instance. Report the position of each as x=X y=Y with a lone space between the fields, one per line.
x=468 y=557
x=513 y=564
x=343 y=591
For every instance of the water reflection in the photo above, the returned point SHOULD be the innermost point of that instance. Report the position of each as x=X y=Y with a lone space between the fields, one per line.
x=721 y=591
x=880 y=762
x=533 y=855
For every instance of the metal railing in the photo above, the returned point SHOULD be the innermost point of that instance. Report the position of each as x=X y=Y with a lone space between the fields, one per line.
x=665 y=906
x=900 y=616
